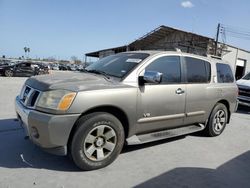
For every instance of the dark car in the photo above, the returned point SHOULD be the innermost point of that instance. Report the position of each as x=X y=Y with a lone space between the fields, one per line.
x=64 y=67
x=23 y=69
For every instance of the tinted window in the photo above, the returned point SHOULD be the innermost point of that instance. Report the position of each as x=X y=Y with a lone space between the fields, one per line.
x=118 y=65
x=169 y=66
x=24 y=65
x=224 y=73
x=198 y=71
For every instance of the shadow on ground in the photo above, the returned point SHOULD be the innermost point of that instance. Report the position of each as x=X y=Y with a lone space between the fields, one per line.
x=18 y=152
x=7 y=125
x=234 y=173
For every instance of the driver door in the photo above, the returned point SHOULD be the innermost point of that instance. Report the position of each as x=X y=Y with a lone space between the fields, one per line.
x=24 y=69
x=162 y=105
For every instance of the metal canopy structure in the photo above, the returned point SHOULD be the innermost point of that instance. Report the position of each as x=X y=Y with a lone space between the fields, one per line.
x=162 y=38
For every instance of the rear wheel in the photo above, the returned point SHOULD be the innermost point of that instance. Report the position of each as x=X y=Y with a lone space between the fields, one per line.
x=217 y=120
x=97 y=141
x=8 y=73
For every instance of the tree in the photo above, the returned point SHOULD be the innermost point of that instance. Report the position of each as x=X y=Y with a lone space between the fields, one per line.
x=26 y=50
x=75 y=60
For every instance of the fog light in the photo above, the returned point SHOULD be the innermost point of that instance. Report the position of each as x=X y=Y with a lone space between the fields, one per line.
x=34 y=132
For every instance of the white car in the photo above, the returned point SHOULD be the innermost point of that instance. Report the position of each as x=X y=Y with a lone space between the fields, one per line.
x=244 y=90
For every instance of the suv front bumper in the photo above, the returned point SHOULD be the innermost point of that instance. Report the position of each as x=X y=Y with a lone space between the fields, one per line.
x=242 y=100
x=49 y=131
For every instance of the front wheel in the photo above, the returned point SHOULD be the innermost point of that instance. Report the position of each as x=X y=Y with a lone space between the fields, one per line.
x=97 y=141
x=217 y=120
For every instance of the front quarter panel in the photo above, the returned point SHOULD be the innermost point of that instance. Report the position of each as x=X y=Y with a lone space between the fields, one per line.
x=122 y=98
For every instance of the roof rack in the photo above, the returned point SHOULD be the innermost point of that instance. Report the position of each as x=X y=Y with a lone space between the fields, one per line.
x=214 y=57
x=177 y=49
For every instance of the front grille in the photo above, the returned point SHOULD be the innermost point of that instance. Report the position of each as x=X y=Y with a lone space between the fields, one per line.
x=29 y=96
x=244 y=92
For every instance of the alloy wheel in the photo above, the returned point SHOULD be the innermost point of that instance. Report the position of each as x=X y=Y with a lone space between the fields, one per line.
x=100 y=143
x=219 y=120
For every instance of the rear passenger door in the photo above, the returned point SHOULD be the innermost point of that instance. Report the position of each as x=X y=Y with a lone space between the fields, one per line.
x=198 y=98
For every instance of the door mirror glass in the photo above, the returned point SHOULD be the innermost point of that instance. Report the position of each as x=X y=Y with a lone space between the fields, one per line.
x=152 y=77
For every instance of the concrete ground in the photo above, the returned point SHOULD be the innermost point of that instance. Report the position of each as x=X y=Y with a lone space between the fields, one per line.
x=189 y=161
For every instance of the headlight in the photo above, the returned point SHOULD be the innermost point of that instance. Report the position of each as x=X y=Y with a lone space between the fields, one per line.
x=56 y=100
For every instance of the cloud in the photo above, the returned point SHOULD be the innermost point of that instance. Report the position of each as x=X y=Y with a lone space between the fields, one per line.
x=187 y=4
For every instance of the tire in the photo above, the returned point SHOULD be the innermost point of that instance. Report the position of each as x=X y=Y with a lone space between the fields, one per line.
x=40 y=73
x=217 y=120
x=9 y=73
x=97 y=141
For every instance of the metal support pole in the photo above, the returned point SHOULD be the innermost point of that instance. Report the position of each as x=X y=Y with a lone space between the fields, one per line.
x=217 y=38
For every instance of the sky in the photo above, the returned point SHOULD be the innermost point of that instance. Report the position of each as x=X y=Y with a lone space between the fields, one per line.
x=63 y=28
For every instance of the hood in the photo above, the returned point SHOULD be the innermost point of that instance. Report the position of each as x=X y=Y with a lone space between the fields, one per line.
x=71 y=81
x=243 y=82
x=5 y=66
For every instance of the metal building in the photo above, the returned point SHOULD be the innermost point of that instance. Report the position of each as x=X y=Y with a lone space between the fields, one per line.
x=167 y=38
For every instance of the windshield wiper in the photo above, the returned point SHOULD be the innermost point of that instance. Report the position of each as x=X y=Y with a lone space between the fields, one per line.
x=98 y=72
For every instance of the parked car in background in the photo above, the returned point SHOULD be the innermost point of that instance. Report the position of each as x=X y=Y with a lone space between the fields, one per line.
x=79 y=68
x=244 y=90
x=64 y=67
x=24 y=69
x=55 y=66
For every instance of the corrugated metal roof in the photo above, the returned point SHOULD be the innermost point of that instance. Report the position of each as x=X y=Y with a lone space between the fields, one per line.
x=150 y=38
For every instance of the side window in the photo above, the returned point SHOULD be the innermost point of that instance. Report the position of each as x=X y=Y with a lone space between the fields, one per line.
x=224 y=73
x=169 y=66
x=24 y=65
x=198 y=71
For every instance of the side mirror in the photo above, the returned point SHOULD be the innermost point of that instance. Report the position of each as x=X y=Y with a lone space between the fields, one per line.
x=152 y=77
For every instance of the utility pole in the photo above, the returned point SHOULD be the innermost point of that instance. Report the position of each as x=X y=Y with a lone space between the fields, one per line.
x=217 y=38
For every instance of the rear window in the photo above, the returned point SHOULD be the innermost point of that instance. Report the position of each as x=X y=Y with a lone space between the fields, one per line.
x=224 y=73
x=198 y=71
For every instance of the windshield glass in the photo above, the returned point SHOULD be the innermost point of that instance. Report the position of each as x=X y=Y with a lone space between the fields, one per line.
x=117 y=65
x=246 y=77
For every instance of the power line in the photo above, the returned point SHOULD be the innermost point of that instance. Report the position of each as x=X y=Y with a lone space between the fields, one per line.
x=236 y=32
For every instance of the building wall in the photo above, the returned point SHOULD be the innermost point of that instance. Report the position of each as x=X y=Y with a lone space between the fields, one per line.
x=233 y=54
x=246 y=56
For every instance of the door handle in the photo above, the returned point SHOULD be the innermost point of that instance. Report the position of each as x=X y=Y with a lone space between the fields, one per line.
x=179 y=91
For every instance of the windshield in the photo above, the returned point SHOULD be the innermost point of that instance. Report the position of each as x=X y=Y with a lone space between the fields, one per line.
x=117 y=65
x=247 y=76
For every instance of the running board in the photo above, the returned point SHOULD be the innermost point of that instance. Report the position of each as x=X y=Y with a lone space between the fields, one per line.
x=154 y=136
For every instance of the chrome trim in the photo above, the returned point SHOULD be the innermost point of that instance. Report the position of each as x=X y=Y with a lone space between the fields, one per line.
x=197 y=113
x=152 y=77
x=245 y=98
x=28 y=98
x=23 y=114
x=160 y=118
x=244 y=103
